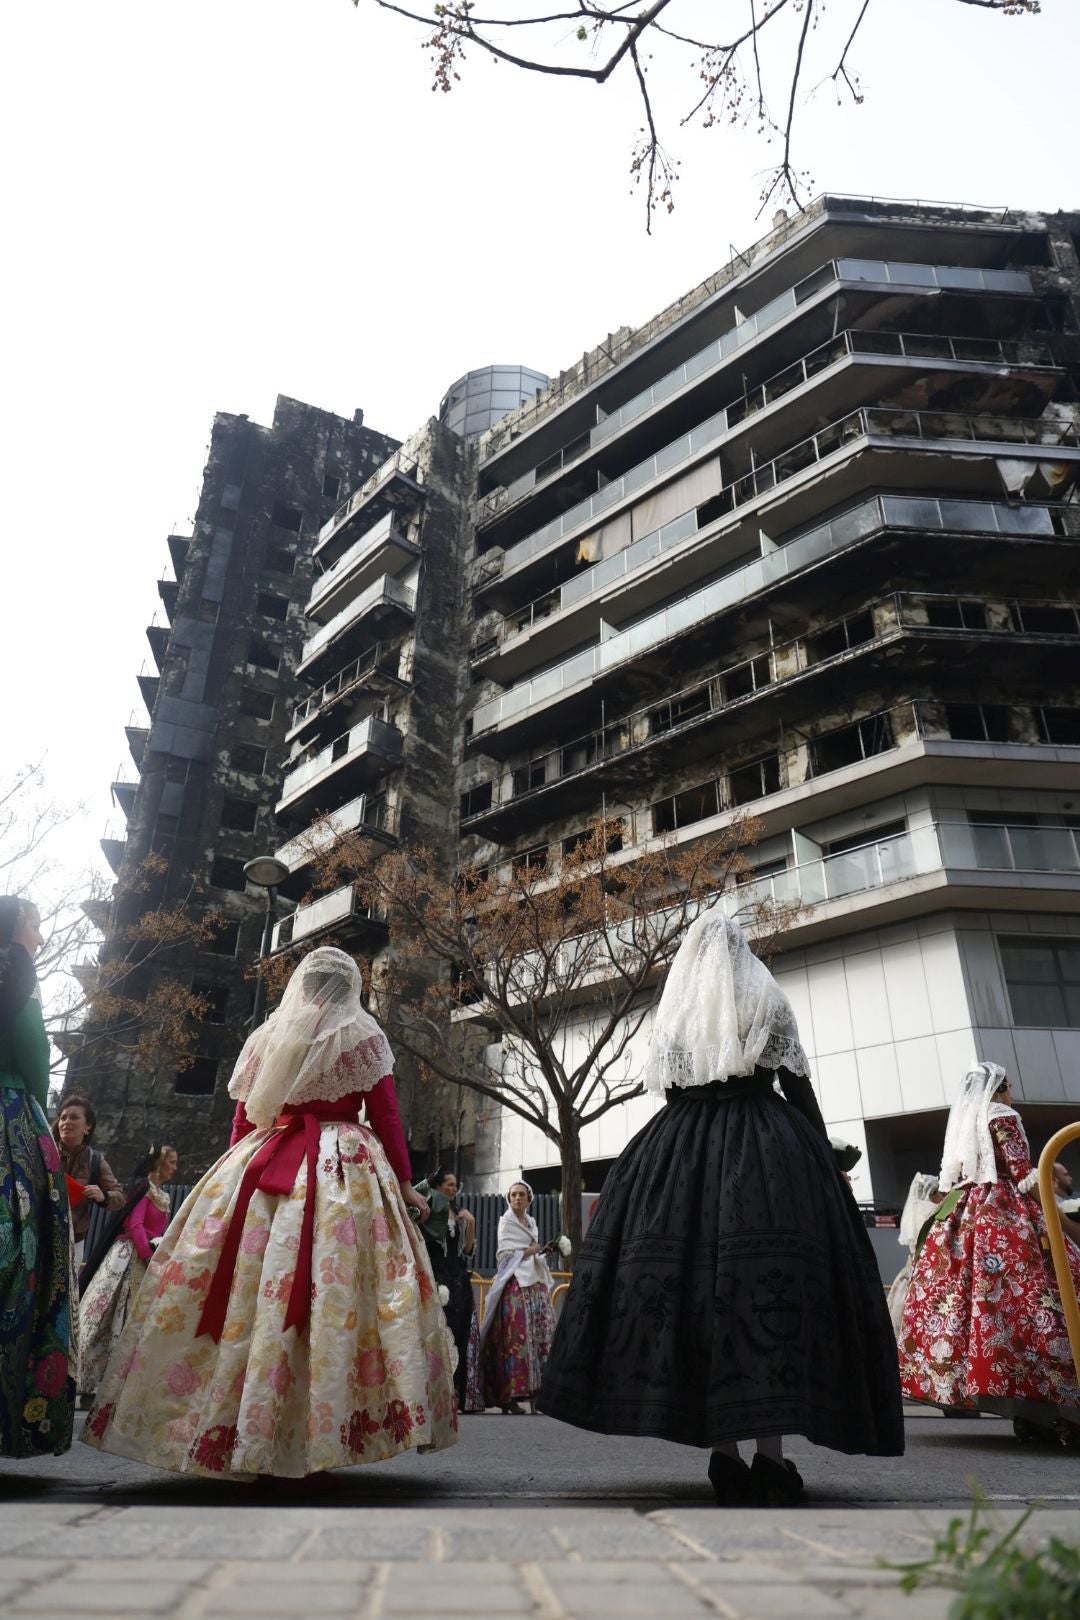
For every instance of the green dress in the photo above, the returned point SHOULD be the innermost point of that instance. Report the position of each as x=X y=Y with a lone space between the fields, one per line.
x=37 y=1391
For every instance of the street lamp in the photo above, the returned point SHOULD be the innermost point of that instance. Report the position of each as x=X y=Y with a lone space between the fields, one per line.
x=265 y=872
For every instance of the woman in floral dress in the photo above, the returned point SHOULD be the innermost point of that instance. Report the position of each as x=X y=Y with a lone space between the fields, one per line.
x=983 y=1324
x=117 y=1265
x=519 y=1318
x=288 y=1322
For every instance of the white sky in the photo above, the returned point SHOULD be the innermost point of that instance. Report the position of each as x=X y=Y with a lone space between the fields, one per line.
x=212 y=201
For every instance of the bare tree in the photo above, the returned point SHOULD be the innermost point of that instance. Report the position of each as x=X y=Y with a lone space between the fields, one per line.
x=559 y=964
x=746 y=62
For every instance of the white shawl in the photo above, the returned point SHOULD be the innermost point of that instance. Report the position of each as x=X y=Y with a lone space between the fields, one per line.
x=515 y=1235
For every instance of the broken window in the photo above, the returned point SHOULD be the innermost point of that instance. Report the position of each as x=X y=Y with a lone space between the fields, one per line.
x=977 y=722
x=679 y=709
x=576 y=756
x=260 y=705
x=239 y=814
x=263 y=657
x=248 y=757
x=683 y=809
x=1062 y=726
x=217 y=997
x=279 y=561
x=286 y=517
x=530 y=862
x=746 y=678
x=198 y=1080
x=755 y=781
x=330 y=485
x=176 y=770
x=1046 y=619
x=227 y=873
x=271 y=606
x=852 y=631
x=207 y=612
x=850 y=744
x=530 y=776
x=476 y=800
x=225 y=940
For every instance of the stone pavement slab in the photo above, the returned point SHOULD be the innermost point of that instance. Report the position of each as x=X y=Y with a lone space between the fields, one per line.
x=560 y=1561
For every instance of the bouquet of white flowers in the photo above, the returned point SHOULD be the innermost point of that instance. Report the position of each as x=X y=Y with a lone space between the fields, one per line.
x=444 y=1294
x=561 y=1244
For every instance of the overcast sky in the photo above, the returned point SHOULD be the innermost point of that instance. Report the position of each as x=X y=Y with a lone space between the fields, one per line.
x=214 y=201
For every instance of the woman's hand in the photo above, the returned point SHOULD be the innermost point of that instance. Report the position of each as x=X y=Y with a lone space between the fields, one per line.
x=534 y=1248
x=418 y=1202
x=94 y=1193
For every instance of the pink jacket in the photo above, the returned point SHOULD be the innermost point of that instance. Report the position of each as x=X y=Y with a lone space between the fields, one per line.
x=144 y=1222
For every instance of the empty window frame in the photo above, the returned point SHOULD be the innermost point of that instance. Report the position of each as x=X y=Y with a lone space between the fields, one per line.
x=239 y=814
x=853 y=631
x=848 y=745
x=530 y=862
x=683 y=809
x=248 y=757
x=263 y=657
x=677 y=710
x=278 y=560
x=530 y=776
x=225 y=939
x=331 y=484
x=746 y=678
x=227 y=873
x=198 y=1080
x=1043 y=980
x=754 y=781
x=1061 y=726
x=954 y=613
x=272 y=606
x=476 y=800
x=216 y=997
x=1045 y=618
x=977 y=722
x=260 y=705
x=286 y=517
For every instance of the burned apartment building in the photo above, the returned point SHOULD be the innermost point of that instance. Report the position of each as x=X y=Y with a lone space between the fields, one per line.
x=208 y=763
x=807 y=545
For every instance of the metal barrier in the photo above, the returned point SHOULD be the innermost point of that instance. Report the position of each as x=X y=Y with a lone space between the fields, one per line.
x=482 y=1284
x=1054 y=1231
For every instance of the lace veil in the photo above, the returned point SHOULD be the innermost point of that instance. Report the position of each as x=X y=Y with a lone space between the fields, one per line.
x=721 y=1014
x=320 y=1043
x=968 y=1154
x=917 y=1208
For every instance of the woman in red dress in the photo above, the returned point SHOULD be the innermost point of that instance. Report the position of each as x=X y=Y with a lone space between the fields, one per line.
x=288 y=1322
x=983 y=1324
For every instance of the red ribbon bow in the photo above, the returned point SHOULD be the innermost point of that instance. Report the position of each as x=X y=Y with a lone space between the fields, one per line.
x=272 y=1168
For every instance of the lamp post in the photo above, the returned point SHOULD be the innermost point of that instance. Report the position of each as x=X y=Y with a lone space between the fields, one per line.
x=265 y=872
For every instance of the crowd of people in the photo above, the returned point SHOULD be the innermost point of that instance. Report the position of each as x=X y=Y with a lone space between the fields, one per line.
x=309 y=1308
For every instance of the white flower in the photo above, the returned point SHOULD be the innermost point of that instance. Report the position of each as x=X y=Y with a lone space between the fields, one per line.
x=444 y=1294
x=564 y=1245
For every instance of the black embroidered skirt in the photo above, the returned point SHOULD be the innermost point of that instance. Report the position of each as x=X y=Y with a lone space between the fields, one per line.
x=727 y=1288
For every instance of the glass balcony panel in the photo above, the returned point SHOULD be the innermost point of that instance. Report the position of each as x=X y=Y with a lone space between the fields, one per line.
x=913 y=275
x=1025 y=520
x=669 y=456
x=862 y=270
x=1043 y=849
x=967 y=515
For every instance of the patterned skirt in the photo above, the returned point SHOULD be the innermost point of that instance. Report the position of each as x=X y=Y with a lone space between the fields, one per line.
x=518 y=1343
x=727 y=1288
x=369 y=1375
x=37 y=1391
x=103 y=1310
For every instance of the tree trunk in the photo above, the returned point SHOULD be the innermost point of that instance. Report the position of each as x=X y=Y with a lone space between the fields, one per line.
x=571 y=1190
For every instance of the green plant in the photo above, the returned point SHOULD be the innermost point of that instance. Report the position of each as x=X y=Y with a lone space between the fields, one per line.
x=994 y=1576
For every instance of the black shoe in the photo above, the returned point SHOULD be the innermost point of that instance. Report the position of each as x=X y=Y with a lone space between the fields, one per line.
x=513 y=1409
x=730 y=1480
x=776 y=1484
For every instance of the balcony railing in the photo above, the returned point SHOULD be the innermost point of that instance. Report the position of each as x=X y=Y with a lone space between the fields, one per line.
x=328 y=911
x=373 y=735
x=918 y=852
x=848 y=528
x=383 y=531
x=960 y=278
x=963 y=514
x=374 y=815
x=384 y=591
x=398 y=464
x=380 y=661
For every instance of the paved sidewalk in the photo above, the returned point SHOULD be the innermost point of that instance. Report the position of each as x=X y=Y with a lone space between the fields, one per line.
x=563 y=1561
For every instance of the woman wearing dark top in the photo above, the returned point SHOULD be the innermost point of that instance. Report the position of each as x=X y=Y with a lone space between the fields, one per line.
x=727 y=1289
x=37 y=1393
x=450 y=1235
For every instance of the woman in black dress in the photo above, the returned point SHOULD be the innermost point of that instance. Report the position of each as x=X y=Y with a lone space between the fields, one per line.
x=727 y=1289
x=450 y=1235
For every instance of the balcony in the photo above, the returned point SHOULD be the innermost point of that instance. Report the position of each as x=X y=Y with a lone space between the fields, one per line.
x=377 y=670
x=850 y=528
x=373 y=815
x=1003 y=866
x=362 y=754
x=384 y=604
x=381 y=550
x=825 y=282
x=393 y=487
x=340 y=909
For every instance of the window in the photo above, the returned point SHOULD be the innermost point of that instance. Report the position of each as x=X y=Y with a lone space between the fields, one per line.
x=286 y=517
x=682 y=809
x=755 y=781
x=226 y=938
x=199 y=1080
x=476 y=800
x=1043 y=619
x=247 y=757
x=263 y=657
x=531 y=861
x=1062 y=726
x=278 y=560
x=953 y=613
x=746 y=678
x=679 y=709
x=612 y=847
x=207 y=611
x=577 y=756
x=227 y=873
x=1043 y=979
x=217 y=998
x=239 y=814
x=850 y=744
x=853 y=631
x=176 y=770
x=330 y=485
x=271 y=606
x=977 y=722
x=258 y=704
x=529 y=776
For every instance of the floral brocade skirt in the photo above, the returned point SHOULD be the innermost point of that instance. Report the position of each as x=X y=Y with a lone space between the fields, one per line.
x=37 y=1392
x=104 y=1309
x=369 y=1375
x=518 y=1343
